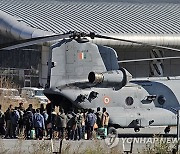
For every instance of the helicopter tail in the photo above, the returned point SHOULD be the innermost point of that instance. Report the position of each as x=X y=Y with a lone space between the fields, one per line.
x=70 y=61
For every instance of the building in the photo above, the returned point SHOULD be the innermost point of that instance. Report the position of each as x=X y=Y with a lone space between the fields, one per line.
x=149 y=22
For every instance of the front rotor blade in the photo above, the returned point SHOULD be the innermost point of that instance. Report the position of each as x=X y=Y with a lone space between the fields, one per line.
x=140 y=43
x=147 y=59
x=32 y=41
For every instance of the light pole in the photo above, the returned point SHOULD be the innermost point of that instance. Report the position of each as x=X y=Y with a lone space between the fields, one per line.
x=178 y=127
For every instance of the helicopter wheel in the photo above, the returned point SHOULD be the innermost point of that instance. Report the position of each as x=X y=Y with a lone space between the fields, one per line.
x=167 y=130
x=136 y=129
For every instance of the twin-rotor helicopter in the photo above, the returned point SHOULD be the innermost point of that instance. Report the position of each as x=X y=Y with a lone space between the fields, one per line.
x=85 y=75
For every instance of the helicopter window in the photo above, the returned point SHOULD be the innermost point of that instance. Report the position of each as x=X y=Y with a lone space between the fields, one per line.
x=161 y=99
x=129 y=100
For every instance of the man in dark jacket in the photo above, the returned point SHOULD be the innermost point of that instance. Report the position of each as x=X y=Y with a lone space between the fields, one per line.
x=61 y=123
x=28 y=122
x=2 y=122
x=70 y=123
x=51 y=121
x=8 y=112
x=99 y=116
x=42 y=109
x=30 y=108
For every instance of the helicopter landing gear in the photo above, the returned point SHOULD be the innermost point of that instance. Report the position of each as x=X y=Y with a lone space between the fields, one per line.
x=136 y=129
x=112 y=131
x=167 y=130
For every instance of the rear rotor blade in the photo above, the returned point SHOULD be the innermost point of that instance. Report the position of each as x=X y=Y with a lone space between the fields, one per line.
x=130 y=41
x=32 y=41
x=147 y=59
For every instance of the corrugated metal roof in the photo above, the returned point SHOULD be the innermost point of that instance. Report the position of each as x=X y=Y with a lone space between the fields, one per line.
x=100 y=17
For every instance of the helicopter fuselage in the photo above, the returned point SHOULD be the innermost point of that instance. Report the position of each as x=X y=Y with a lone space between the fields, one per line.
x=140 y=103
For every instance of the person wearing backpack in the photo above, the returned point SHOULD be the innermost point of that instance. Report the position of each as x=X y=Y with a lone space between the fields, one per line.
x=8 y=112
x=38 y=121
x=2 y=122
x=45 y=115
x=21 y=111
x=61 y=123
x=78 y=131
x=28 y=122
x=90 y=121
x=15 y=120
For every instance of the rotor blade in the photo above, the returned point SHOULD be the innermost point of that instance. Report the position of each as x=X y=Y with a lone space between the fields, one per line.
x=148 y=59
x=32 y=41
x=130 y=41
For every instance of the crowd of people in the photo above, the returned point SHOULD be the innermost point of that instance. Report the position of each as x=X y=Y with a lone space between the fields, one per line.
x=45 y=122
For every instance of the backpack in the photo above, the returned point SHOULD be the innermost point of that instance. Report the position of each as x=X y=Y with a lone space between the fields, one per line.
x=21 y=113
x=15 y=115
x=38 y=118
x=90 y=119
x=28 y=119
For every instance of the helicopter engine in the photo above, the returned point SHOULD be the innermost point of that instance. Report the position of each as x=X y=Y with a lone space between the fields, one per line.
x=113 y=78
